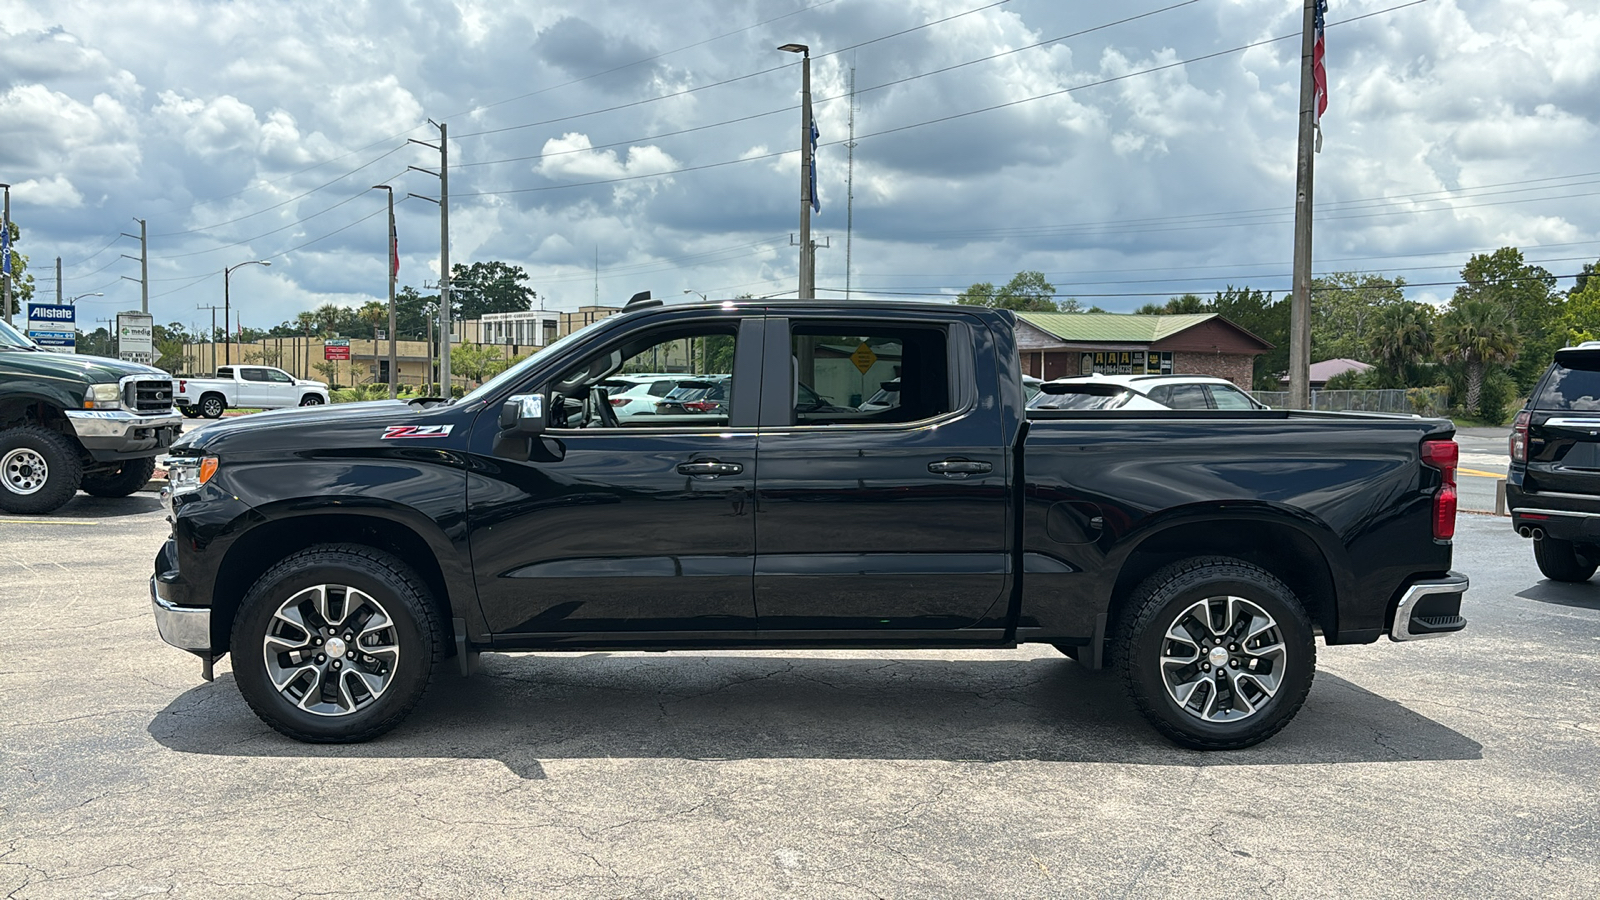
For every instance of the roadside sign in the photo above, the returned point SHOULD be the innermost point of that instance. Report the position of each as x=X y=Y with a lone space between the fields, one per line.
x=52 y=327
x=336 y=348
x=136 y=337
x=864 y=358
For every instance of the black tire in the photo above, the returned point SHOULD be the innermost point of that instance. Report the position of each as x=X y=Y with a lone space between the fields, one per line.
x=311 y=400
x=212 y=406
x=40 y=470
x=1145 y=655
x=131 y=476
x=415 y=635
x=189 y=412
x=1564 y=560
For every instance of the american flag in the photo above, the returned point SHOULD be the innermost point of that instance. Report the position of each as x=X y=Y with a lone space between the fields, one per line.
x=1319 y=74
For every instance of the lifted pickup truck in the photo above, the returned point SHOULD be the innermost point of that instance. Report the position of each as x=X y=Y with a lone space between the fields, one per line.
x=338 y=556
x=69 y=422
x=247 y=387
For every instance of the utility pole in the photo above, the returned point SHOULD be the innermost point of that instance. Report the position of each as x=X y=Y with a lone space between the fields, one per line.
x=5 y=247
x=445 y=304
x=393 y=265
x=808 y=257
x=211 y=337
x=144 y=267
x=58 y=281
x=850 y=185
x=1300 y=300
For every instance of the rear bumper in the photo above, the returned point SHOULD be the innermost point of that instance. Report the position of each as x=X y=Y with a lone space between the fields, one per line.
x=1563 y=516
x=1429 y=608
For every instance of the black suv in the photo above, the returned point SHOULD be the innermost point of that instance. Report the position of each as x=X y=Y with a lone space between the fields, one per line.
x=1554 y=485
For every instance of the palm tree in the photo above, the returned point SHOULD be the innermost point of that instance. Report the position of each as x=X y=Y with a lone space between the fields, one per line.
x=1401 y=337
x=1477 y=334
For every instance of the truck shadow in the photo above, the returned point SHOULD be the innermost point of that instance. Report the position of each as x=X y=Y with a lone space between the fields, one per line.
x=86 y=506
x=526 y=708
x=1562 y=593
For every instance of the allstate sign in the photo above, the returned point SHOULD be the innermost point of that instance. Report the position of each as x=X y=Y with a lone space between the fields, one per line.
x=53 y=327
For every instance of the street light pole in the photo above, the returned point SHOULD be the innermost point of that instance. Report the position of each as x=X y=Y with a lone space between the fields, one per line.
x=227 y=351
x=808 y=258
x=5 y=279
x=394 y=270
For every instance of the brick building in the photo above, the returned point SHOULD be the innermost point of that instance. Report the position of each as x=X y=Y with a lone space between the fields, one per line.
x=1056 y=345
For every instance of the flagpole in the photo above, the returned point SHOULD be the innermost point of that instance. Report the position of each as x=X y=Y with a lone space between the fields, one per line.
x=1300 y=299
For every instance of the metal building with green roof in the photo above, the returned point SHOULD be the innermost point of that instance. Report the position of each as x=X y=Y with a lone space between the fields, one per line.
x=1056 y=345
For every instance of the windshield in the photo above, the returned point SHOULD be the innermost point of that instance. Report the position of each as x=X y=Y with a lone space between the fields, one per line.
x=514 y=374
x=10 y=337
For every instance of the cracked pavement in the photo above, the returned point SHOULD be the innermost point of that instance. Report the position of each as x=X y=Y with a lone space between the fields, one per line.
x=1464 y=766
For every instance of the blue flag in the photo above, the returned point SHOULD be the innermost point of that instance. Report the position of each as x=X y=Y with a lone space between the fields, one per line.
x=5 y=248
x=816 y=204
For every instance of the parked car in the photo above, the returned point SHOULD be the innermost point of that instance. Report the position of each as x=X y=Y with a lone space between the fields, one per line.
x=338 y=555
x=246 y=387
x=70 y=422
x=636 y=395
x=1143 y=392
x=888 y=397
x=1553 y=487
x=696 y=395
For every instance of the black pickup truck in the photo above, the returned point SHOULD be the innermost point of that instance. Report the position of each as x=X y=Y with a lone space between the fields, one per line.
x=341 y=554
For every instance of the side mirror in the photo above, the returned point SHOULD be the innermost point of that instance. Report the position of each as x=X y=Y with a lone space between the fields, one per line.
x=523 y=414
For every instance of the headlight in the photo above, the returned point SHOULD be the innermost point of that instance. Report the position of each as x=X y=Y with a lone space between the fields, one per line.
x=188 y=473
x=102 y=396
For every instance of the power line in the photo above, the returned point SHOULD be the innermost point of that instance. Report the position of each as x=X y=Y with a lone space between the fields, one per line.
x=283 y=203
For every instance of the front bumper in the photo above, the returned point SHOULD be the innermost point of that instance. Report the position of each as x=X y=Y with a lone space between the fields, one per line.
x=113 y=434
x=1430 y=608
x=184 y=627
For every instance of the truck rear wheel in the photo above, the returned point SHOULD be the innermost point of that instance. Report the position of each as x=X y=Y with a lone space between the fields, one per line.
x=1564 y=560
x=335 y=644
x=212 y=406
x=1217 y=653
x=40 y=470
x=311 y=400
x=131 y=476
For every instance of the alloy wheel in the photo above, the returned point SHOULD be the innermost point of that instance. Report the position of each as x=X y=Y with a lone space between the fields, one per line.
x=331 y=650
x=1223 y=659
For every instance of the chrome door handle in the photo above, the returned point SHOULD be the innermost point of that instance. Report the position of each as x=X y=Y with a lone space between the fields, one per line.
x=709 y=468
x=959 y=468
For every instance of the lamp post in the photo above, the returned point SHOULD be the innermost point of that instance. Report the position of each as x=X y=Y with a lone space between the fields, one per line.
x=227 y=350
x=75 y=299
x=5 y=279
x=394 y=270
x=808 y=267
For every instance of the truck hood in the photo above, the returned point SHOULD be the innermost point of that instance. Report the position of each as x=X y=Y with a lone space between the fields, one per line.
x=89 y=369
x=310 y=418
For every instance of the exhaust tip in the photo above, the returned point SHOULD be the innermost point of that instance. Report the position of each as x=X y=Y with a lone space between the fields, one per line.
x=1525 y=531
x=1538 y=534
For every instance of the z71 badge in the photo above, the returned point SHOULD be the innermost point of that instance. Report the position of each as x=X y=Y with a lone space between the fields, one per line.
x=416 y=431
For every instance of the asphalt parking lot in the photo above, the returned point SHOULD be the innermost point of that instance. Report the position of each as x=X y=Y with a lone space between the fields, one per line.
x=1464 y=766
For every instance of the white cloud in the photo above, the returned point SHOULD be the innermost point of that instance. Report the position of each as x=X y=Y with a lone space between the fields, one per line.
x=57 y=192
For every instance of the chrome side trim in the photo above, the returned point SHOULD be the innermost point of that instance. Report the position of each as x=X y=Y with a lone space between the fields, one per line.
x=1408 y=601
x=1573 y=423
x=184 y=627
x=1563 y=496
x=1556 y=512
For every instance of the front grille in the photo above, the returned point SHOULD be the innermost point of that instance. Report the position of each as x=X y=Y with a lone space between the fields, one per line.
x=149 y=395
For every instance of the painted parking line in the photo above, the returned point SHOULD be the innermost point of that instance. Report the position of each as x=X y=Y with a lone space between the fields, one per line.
x=48 y=522
x=1479 y=474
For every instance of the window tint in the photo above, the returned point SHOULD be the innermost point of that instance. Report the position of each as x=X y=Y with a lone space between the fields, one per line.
x=225 y=372
x=280 y=377
x=1161 y=395
x=1226 y=396
x=837 y=370
x=585 y=395
x=1187 y=396
x=1575 y=390
x=253 y=374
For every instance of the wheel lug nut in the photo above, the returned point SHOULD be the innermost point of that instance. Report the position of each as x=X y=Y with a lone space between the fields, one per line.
x=1234 y=663
x=1234 y=647
x=321 y=658
x=336 y=664
x=1205 y=667
x=317 y=641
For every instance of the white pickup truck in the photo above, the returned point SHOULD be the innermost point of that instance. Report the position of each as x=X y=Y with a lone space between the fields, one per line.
x=245 y=387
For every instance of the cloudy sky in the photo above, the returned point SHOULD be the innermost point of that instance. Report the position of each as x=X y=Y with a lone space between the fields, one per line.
x=1131 y=151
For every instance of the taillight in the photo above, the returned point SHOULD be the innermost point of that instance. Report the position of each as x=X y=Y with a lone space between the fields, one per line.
x=183 y=385
x=1443 y=455
x=619 y=401
x=1519 y=437
x=701 y=405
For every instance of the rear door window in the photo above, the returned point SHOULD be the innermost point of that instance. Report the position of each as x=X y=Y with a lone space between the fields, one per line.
x=1186 y=396
x=1570 y=389
x=1229 y=397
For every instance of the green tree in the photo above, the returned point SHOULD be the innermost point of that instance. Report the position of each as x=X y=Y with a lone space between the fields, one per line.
x=1256 y=312
x=1477 y=334
x=1188 y=304
x=1343 y=307
x=489 y=287
x=476 y=361
x=1027 y=291
x=1526 y=292
x=1580 y=315
x=1401 y=339
x=21 y=281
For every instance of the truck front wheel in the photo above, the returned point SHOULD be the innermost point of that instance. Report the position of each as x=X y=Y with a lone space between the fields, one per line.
x=1217 y=653
x=131 y=476
x=1564 y=560
x=335 y=644
x=212 y=406
x=39 y=470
